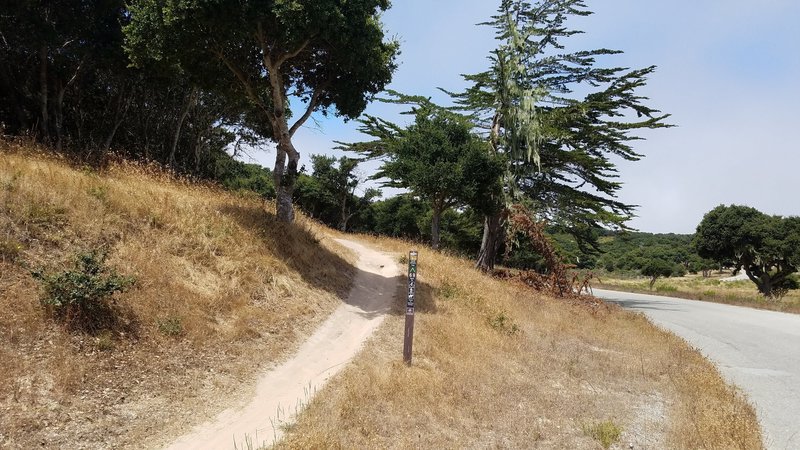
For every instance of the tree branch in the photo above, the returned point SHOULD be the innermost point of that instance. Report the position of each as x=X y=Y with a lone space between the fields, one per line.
x=262 y=41
x=312 y=104
x=243 y=79
x=290 y=55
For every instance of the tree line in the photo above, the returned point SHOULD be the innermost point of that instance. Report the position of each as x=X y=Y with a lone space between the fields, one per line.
x=190 y=82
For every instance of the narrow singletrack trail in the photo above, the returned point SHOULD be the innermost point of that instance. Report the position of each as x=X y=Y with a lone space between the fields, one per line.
x=282 y=392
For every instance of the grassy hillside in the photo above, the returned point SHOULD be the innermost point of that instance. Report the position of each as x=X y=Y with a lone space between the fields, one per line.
x=222 y=291
x=497 y=365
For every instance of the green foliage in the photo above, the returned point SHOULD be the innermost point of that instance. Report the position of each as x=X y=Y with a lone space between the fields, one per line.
x=448 y=291
x=766 y=247
x=171 y=326
x=438 y=158
x=329 y=193
x=65 y=80
x=105 y=341
x=82 y=297
x=237 y=176
x=504 y=324
x=10 y=250
x=655 y=268
x=559 y=146
x=666 y=288
x=98 y=192
x=399 y=217
x=330 y=54
x=607 y=433
x=44 y=214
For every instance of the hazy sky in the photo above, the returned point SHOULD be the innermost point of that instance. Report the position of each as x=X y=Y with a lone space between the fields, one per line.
x=728 y=72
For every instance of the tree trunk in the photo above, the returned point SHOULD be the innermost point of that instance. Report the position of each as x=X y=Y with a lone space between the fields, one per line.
x=59 y=117
x=123 y=103
x=189 y=102
x=285 y=176
x=435 y=226
x=492 y=240
x=44 y=126
x=345 y=216
x=763 y=281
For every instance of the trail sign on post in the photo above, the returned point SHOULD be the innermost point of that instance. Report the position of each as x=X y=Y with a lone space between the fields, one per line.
x=412 y=291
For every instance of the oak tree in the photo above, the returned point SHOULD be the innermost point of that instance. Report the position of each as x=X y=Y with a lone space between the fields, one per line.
x=283 y=57
x=766 y=247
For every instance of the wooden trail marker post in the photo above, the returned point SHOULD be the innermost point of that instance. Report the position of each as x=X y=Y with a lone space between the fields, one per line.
x=412 y=291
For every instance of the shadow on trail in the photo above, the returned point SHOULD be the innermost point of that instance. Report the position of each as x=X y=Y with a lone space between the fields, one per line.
x=298 y=247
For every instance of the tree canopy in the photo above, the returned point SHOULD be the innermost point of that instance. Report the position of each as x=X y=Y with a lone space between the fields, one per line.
x=324 y=55
x=558 y=145
x=437 y=158
x=766 y=247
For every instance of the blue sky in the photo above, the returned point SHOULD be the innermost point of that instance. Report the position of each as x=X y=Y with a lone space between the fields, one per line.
x=728 y=72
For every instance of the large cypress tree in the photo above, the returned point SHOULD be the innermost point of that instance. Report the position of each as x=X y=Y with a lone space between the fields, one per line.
x=558 y=144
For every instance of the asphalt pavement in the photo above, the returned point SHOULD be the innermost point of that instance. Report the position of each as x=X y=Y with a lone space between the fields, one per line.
x=757 y=350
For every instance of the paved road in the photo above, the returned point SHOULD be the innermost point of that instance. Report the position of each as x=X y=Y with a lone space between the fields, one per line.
x=757 y=350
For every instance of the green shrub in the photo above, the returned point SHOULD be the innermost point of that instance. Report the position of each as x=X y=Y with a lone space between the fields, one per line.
x=607 y=432
x=666 y=288
x=171 y=326
x=82 y=298
x=9 y=250
x=501 y=322
x=45 y=214
x=98 y=192
x=448 y=290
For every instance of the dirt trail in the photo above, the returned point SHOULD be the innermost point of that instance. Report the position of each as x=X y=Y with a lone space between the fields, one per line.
x=282 y=392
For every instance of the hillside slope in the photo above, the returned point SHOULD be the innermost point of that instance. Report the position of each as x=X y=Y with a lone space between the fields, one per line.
x=221 y=291
x=497 y=365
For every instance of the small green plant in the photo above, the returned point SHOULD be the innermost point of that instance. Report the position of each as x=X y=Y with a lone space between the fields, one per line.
x=403 y=259
x=98 y=192
x=448 y=290
x=9 y=185
x=501 y=322
x=171 y=326
x=82 y=297
x=45 y=214
x=105 y=341
x=606 y=432
x=9 y=250
x=666 y=288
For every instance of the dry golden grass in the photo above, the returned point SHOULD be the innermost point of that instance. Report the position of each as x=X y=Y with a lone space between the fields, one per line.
x=498 y=366
x=711 y=289
x=495 y=365
x=222 y=291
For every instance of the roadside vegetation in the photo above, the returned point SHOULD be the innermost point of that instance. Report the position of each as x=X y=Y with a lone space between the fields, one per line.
x=498 y=365
x=138 y=296
x=218 y=296
x=697 y=287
